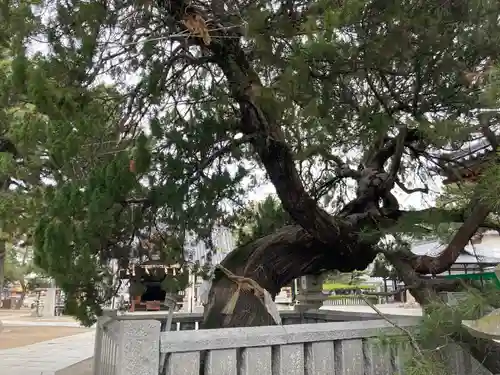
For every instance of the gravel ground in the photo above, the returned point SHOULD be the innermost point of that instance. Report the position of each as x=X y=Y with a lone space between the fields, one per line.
x=14 y=337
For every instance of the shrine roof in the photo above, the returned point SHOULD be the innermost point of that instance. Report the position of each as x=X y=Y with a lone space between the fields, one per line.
x=472 y=151
x=487 y=252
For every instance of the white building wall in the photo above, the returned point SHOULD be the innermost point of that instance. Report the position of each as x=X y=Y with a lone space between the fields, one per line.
x=196 y=251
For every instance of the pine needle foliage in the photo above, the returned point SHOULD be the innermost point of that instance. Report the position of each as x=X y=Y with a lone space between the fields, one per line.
x=438 y=333
x=131 y=128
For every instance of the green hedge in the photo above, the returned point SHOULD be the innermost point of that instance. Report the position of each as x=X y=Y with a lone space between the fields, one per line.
x=336 y=286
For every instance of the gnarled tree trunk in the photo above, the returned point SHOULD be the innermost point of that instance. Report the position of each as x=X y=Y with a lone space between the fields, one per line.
x=274 y=261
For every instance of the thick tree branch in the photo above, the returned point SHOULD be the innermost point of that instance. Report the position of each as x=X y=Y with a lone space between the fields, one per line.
x=257 y=120
x=425 y=264
x=278 y=160
x=432 y=214
x=341 y=171
x=385 y=147
x=423 y=190
x=484 y=120
x=228 y=147
x=398 y=154
x=9 y=147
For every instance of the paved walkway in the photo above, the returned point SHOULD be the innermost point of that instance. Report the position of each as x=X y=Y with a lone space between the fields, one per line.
x=27 y=323
x=44 y=358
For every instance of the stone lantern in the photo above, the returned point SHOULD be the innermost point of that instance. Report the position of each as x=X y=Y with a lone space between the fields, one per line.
x=310 y=293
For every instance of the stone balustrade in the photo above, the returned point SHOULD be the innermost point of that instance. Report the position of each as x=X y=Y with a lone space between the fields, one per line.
x=337 y=343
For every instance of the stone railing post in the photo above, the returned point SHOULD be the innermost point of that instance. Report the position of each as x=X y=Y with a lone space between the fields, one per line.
x=310 y=293
x=138 y=347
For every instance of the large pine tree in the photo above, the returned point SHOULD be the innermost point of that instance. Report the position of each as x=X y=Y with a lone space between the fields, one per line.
x=343 y=104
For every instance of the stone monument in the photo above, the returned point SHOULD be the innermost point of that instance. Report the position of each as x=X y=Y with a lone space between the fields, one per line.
x=49 y=303
x=310 y=293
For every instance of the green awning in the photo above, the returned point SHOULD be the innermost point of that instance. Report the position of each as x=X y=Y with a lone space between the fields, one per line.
x=476 y=276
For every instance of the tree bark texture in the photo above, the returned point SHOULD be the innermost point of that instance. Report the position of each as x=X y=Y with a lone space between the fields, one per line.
x=274 y=261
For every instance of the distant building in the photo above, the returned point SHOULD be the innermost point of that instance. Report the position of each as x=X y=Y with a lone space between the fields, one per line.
x=466 y=163
x=482 y=252
x=196 y=251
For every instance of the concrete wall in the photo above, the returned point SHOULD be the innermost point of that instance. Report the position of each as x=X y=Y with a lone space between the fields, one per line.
x=303 y=349
x=192 y=321
x=344 y=346
x=339 y=348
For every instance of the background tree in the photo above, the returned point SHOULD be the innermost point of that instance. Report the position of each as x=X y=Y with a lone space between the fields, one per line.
x=61 y=141
x=347 y=107
x=20 y=269
x=260 y=219
x=355 y=277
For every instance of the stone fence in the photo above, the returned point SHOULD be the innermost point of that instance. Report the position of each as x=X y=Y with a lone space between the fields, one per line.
x=335 y=343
